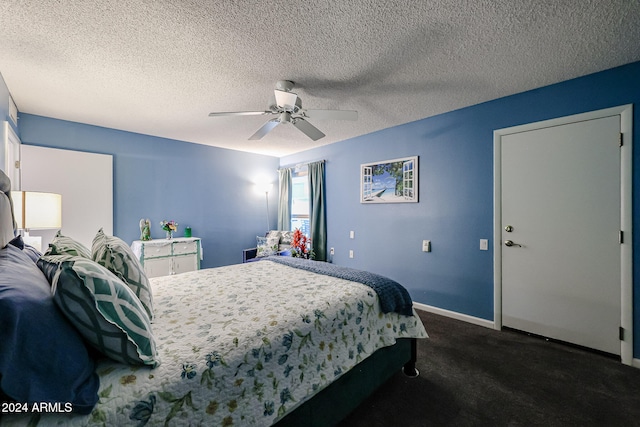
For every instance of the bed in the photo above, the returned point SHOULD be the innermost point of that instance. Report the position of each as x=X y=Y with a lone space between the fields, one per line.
x=263 y=343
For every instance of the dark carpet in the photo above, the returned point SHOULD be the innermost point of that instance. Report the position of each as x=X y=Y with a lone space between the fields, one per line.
x=475 y=376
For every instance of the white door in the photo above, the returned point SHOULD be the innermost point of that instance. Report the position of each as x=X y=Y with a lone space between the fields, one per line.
x=561 y=209
x=12 y=156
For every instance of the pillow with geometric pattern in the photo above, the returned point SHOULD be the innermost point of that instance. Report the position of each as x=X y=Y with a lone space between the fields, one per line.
x=105 y=311
x=114 y=254
x=61 y=245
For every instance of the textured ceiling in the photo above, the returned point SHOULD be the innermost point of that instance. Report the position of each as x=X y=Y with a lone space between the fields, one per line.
x=159 y=67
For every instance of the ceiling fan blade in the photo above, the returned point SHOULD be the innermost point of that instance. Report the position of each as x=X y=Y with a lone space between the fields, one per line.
x=285 y=100
x=265 y=129
x=331 y=114
x=240 y=113
x=308 y=129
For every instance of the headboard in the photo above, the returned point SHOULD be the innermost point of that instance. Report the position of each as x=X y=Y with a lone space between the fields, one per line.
x=7 y=222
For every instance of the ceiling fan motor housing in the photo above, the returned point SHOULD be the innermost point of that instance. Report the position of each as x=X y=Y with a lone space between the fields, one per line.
x=284 y=85
x=285 y=117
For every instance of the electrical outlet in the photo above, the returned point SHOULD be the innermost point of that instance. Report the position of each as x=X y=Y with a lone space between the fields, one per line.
x=332 y=251
x=352 y=234
x=426 y=246
x=350 y=253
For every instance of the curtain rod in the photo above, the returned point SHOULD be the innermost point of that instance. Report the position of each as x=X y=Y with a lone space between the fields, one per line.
x=297 y=165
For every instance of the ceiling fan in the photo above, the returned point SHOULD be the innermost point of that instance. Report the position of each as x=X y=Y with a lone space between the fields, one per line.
x=288 y=107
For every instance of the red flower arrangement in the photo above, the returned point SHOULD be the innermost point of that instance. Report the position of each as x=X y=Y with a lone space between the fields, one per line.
x=301 y=245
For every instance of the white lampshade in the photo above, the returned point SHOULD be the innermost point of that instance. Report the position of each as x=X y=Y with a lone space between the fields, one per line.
x=36 y=210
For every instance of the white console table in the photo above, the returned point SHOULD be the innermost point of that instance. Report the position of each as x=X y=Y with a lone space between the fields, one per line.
x=162 y=257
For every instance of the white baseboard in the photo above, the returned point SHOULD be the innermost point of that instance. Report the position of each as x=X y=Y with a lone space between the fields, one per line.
x=455 y=315
x=635 y=363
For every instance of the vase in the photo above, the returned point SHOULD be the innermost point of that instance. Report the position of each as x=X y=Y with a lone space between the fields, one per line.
x=169 y=234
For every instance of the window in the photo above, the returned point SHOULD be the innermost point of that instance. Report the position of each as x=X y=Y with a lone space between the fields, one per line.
x=300 y=201
x=407 y=179
x=367 y=182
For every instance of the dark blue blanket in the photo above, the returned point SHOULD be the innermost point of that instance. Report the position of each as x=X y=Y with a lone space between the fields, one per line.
x=393 y=296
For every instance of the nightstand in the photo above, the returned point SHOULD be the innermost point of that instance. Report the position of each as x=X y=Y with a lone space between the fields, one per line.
x=163 y=257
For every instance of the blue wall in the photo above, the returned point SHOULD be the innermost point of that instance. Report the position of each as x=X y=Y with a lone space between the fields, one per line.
x=456 y=191
x=210 y=189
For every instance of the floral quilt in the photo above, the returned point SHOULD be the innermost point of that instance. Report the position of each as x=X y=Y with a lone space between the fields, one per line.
x=242 y=345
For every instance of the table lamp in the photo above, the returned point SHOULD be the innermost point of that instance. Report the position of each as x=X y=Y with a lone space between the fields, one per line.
x=35 y=210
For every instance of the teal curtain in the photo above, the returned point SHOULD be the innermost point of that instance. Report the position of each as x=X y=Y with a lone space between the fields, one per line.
x=317 y=210
x=284 y=203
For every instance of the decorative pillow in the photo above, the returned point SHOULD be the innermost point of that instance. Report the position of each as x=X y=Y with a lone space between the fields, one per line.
x=114 y=254
x=42 y=357
x=286 y=237
x=274 y=233
x=49 y=264
x=266 y=246
x=66 y=245
x=30 y=251
x=105 y=311
x=17 y=242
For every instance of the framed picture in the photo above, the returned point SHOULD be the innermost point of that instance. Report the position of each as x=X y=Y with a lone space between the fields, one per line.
x=389 y=181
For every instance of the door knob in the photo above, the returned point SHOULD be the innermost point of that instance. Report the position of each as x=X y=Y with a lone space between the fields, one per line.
x=510 y=243
x=508 y=228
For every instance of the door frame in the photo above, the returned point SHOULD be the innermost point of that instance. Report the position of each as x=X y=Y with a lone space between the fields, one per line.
x=12 y=145
x=626 y=248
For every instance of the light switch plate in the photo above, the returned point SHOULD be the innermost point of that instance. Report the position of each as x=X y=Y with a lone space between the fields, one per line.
x=484 y=244
x=426 y=246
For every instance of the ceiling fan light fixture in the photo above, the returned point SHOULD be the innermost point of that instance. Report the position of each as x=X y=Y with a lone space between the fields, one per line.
x=286 y=100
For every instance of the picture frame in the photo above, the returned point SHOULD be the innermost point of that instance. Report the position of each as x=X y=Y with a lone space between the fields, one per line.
x=389 y=181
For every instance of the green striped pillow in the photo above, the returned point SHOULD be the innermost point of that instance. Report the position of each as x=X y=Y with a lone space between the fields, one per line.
x=105 y=311
x=61 y=245
x=114 y=254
